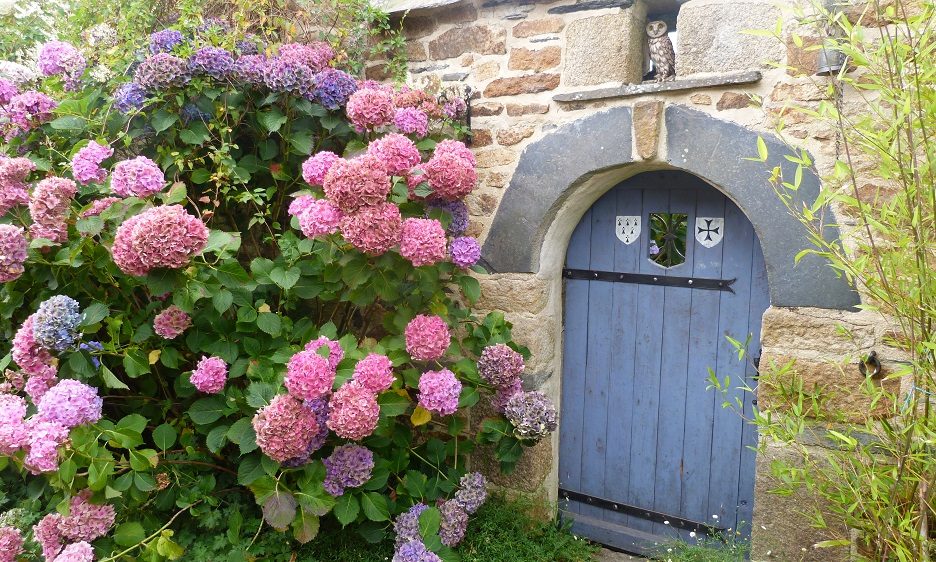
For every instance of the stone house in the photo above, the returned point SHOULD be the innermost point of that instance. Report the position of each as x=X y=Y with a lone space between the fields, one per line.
x=627 y=234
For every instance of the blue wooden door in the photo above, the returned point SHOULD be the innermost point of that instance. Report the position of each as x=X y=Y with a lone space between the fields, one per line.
x=647 y=453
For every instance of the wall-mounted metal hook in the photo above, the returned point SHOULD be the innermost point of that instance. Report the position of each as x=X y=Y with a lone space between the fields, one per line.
x=870 y=366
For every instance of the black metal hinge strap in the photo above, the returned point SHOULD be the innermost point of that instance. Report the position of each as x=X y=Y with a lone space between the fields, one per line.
x=643 y=513
x=647 y=279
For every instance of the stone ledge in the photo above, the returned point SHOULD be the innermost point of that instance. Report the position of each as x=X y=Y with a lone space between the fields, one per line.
x=631 y=90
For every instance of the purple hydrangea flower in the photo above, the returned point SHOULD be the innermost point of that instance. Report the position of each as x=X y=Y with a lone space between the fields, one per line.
x=59 y=57
x=71 y=403
x=532 y=414
x=162 y=71
x=86 y=163
x=454 y=108
x=92 y=346
x=289 y=76
x=129 y=96
x=7 y=91
x=56 y=322
x=415 y=551
x=349 y=466
x=472 y=492
x=406 y=526
x=458 y=210
x=500 y=365
x=211 y=61
x=465 y=251
x=191 y=112
x=411 y=121
x=248 y=69
x=454 y=523
x=164 y=41
x=249 y=45
x=319 y=407
x=333 y=88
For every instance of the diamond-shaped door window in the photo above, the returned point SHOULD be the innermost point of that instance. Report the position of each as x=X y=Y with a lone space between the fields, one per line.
x=668 y=232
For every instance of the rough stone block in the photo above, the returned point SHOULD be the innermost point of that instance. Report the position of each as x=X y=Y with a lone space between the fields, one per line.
x=518 y=109
x=711 y=36
x=802 y=59
x=513 y=135
x=513 y=292
x=416 y=51
x=701 y=99
x=484 y=71
x=532 y=84
x=416 y=27
x=540 y=26
x=495 y=157
x=863 y=12
x=608 y=48
x=471 y=39
x=460 y=13
x=481 y=137
x=528 y=59
x=823 y=331
x=486 y=109
x=648 y=119
x=538 y=333
x=733 y=100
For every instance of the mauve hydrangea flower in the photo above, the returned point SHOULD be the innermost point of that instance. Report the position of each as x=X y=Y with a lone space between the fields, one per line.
x=165 y=40
x=422 y=241
x=11 y=544
x=321 y=218
x=211 y=61
x=465 y=251
x=71 y=403
x=46 y=533
x=369 y=109
x=454 y=523
x=300 y=205
x=55 y=323
x=504 y=394
x=454 y=108
x=373 y=230
x=333 y=88
x=7 y=90
x=170 y=323
x=284 y=428
x=319 y=407
x=415 y=551
x=248 y=69
x=165 y=236
x=317 y=166
x=49 y=206
x=427 y=337
x=375 y=372
x=349 y=466
x=411 y=121
x=129 y=96
x=406 y=526
x=455 y=148
x=210 y=375
x=353 y=411
x=472 y=492
x=86 y=521
x=309 y=376
x=45 y=437
x=31 y=357
x=86 y=163
x=532 y=414
x=13 y=174
x=500 y=365
x=439 y=391
x=13 y=434
x=59 y=57
x=12 y=252
x=76 y=552
x=27 y=110
x=408 y=97
x=137 y=177
x=457 y=210
x=162 y=71
x=249 y=45
x=315 y=55
x=358 y=182
x=450 y=176
x=335 y=353
x=397 y=153
x=40 y=382
x=98 y=206
x=288 y=76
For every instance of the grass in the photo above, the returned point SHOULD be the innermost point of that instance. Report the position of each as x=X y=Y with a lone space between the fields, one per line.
x=706 y=549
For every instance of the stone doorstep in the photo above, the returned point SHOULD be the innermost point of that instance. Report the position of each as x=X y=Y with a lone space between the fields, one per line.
x=682 y=83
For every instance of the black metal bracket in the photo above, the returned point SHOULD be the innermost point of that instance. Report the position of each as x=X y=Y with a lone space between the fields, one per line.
x=647 y=279
x=649 y=515
x=870 y=366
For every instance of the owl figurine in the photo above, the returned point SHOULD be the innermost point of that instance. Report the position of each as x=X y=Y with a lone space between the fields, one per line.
x=661 y=51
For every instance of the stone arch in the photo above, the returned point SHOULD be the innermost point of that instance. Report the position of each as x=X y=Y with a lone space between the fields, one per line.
x=561 y=175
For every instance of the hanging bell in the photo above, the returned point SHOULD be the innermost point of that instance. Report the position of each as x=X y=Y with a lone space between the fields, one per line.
x=830 y=61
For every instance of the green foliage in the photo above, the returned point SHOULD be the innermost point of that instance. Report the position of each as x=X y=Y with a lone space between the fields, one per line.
x=705 y=549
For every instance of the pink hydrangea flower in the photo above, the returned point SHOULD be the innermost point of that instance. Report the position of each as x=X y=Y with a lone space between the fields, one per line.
x=335 y=352
x=71 y=403
x=320 y=219
x=49 y=206
x=13 y=433
x=300 y=205
x=427 y=337
x=25 y=111
x=76 y=552
x=45 y=437
x=165 y=236
x=309 y=376
x=455 y=148
x=59 y=57
x=284 y=428
x=86 y=163
x=359 y=182
x=504 y=394
x=98 y=206
x=12 y=252
x=316 y=55
x=316 y=167
x=397 y=153
x=439 y=391
x=46 y=533
x=411 y=121
x=170 y=323
x=422 y=241
x=86 y=521
x=209 y=375
x=11 y=544
x=370 y=108
x=450 y=176
x=39 y=383
x=137 y=177
x=32 y=358
x=353 y=411
x=13 y=173
x=373 y=230
x=374 y=372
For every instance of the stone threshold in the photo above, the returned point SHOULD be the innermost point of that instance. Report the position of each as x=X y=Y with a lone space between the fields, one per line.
x=689 y=83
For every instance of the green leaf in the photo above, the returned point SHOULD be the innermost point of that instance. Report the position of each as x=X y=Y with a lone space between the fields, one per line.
x=69 y=123
x=393 y=404
x=144 y=481
x=206 y=410
x=330 y=121
x=111 y=380
x=94 y=313
x=270 y=323
x=305 y=527
x=216 y=439
x=285 y=278
x=162 y=120
x=136 y=363
x=222 y=300
x=140 y=461
x=279 y=510
x=375 y=506
x=762 y=152
x=301 y=141
x=470 y=287
x=220 y=242
x=129 y=534
x=243 y=435
x=197 y=133
x=165 y=436
x=347 y=509
x=249 y=470
x=271 y=120
x=429 y=522
x=259 y=394
x=200 y=176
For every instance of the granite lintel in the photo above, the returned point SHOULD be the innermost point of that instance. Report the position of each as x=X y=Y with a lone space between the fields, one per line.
x=582 y=5
x=689 y=83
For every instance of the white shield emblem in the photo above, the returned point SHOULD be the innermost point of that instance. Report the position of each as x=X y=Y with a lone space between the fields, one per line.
x=709 y=230
x=627 y=228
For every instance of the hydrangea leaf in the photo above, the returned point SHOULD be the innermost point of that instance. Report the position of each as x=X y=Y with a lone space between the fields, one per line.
x=279 y=510
x=420 y=416
x=375 y=506
x=165 y=436
x=347 y=509
x=129 y=533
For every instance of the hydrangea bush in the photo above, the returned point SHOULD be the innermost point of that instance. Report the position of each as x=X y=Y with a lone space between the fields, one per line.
x=241 y=278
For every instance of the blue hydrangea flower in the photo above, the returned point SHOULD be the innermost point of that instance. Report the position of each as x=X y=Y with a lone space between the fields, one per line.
x=458 y=210
x=415 y=551
x=191 y=112
x=211 y=61
x=165 y=40
x=406 y=525
x=129 y=96
x=333 y=88
x=55 y=324
x=93 y=346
